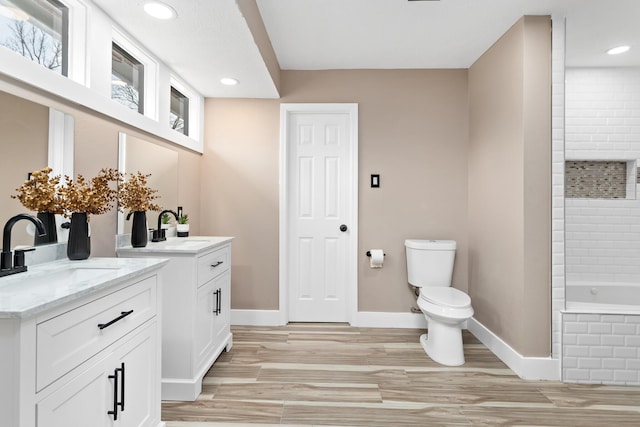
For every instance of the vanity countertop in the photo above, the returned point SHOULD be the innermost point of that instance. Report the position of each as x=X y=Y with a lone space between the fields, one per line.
x=48 y=285
x=178 y=245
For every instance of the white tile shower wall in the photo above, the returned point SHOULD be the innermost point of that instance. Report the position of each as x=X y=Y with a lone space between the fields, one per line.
x=602 y=240
x=602 y=113
x=602 y=123
x=557 y=177
x=601 y=349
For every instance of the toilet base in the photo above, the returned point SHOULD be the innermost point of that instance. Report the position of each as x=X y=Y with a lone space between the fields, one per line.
x=443 y=344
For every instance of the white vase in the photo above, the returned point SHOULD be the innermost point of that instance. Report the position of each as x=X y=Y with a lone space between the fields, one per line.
x=182 y=230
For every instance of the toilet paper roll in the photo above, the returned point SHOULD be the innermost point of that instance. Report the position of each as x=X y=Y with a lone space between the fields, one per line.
x=377 y=258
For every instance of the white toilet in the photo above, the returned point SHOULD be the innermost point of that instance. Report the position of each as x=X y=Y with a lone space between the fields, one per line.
x=429 y=268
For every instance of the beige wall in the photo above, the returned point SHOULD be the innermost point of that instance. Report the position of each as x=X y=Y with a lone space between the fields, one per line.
x=23 y=144
x=412 y=131
x=509 y=187
x=96 y=147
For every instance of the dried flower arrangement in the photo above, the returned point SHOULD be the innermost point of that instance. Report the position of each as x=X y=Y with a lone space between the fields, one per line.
x=40 y=193
x=93 y=196
x=45 y=193
x=134 y=194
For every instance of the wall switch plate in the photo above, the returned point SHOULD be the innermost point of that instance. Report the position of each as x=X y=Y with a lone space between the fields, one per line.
x=375 y=181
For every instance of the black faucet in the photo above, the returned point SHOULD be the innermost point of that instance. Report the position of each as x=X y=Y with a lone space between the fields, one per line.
x=159 y=234
x=18 y=266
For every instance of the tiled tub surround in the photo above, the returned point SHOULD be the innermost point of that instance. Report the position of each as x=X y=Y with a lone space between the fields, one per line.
x=602 y=122
x=602 y=240
x=601 y=348
x=602 y=113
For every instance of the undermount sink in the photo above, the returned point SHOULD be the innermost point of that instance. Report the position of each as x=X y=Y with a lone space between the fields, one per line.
x=65 y=278
x=177 y=245
x=48 y=285
x=80 y=274
x=181 y=242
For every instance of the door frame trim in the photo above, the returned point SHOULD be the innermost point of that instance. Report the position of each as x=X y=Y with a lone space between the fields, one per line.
x=286 y=109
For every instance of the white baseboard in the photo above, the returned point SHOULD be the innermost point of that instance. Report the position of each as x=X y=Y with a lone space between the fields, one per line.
x=257 y=318
x=379 y=319
x=528 y=368
x=362 y=319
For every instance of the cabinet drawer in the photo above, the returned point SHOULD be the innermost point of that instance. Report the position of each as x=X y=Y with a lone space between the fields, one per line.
x=65 y=341
x=212 y=264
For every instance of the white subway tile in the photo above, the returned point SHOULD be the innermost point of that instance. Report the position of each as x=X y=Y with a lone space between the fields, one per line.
x=625 y=353
x=597 y=351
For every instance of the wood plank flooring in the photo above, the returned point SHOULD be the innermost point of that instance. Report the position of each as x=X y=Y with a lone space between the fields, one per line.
x=336 y=375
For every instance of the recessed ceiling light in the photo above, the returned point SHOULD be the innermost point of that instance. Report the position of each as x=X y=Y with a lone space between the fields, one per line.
x=229 y=81
x=618 y=50
x=159 y=10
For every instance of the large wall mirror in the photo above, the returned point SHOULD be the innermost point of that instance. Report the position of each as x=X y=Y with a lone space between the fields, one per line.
x=33 y=136
x=138 y=155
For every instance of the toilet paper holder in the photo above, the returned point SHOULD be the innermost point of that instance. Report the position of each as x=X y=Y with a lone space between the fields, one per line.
x=369 y=254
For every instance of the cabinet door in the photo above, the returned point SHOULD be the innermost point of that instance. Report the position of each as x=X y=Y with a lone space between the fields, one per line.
x=205 y=313
x=83 y=401
x=88 y=398
x=223 y=318
x=141 y=386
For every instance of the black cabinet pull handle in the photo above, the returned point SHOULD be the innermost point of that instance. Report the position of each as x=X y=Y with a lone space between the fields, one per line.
x=114 y=377
x=123 y=314
x=219 y=307
x=121 y=369
x=215 y=308
x=216 y=264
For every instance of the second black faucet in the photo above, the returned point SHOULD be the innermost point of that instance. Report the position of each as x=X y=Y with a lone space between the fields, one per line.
x=159 y=233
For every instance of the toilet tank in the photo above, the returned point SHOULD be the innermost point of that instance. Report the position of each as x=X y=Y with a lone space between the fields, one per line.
x=430 y=262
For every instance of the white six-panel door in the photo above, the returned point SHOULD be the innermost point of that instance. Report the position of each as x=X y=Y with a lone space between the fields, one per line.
x=321 y=201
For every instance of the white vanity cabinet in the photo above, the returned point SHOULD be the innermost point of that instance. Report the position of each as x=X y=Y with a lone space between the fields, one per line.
x=90 y=356
x=196 y=309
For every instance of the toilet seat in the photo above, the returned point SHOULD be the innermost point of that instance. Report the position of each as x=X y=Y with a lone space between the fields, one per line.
x=445 y=297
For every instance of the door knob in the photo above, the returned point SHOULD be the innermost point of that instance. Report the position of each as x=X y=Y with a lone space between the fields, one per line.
x=343 y=228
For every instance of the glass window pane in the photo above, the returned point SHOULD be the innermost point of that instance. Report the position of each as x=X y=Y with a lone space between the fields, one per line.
x=127 y=79
x=179 y=114
x=36 y=29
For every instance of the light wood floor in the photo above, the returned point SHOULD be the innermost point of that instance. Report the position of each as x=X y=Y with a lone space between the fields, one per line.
x=336 y=375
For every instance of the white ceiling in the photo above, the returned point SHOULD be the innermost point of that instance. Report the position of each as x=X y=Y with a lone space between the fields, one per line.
x=210 y=38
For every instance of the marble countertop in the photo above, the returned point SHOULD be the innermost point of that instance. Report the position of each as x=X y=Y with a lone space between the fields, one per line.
x=48 y=285
x=178 y=245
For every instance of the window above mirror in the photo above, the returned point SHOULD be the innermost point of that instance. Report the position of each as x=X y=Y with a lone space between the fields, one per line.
x=179 y=112
x=37 y=30
x=127 y=79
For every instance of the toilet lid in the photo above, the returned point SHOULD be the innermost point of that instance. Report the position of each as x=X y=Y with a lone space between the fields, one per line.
x=445 y=296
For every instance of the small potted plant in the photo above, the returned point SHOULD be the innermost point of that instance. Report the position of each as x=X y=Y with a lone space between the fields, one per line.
x=165 y=221
x=183 y=225
x=170 y=231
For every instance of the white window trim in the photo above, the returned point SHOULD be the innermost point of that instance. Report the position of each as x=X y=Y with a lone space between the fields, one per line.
x=150 y=97
x=20 y=76
x=195 y=105
x=77 y=41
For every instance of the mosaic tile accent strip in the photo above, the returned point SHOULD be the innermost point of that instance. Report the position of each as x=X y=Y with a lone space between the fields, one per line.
x=596 y=179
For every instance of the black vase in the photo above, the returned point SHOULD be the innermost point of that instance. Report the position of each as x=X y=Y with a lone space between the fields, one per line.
x=49 y=221
x=79 y=244
x=139 y=234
